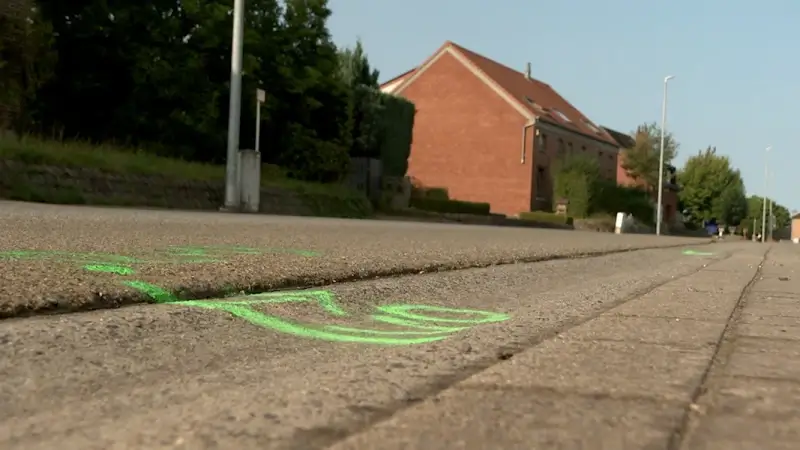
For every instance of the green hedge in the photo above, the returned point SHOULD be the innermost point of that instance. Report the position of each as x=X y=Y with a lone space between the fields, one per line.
x=397 y=126
x=436 y=193
x=450 y=206
x=546 y=217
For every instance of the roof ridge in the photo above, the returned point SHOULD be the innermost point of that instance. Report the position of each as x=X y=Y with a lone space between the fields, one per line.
x=507 y=67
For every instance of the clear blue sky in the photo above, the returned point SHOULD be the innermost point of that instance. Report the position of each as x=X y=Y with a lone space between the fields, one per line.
x=736 y=66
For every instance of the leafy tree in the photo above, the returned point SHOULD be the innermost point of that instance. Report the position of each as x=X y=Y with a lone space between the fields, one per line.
x=711 y=188
x=364 y=107
x=641 y=161
x=155 y=74
x=755 y=206
x=26 y=61
x=314 y=144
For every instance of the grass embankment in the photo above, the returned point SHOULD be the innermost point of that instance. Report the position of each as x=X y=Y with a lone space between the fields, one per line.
x=322 y=199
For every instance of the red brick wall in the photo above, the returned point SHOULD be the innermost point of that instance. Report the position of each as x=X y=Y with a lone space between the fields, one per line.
x=468 y=139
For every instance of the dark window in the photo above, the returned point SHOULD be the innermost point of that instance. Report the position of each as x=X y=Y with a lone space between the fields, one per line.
x=569 y=148
x=541 y=178
x=542 y=142
x=560 y=146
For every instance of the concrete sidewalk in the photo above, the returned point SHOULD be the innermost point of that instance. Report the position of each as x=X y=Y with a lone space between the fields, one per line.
x=751 y=400
x=632 y=378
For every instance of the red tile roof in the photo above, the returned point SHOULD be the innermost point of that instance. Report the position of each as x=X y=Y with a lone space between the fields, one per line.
x=534 y=95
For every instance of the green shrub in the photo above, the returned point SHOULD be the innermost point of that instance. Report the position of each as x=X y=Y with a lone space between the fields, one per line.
x=450 y=206
x=546 y=217
x=575 y=179
x=397 y=125
x=578 y=180
x=612 y=198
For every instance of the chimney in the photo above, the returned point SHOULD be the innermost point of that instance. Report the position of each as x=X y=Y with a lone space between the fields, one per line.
x=528 y=71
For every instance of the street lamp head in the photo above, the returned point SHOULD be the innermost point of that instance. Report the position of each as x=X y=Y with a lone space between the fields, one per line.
x=668 y=77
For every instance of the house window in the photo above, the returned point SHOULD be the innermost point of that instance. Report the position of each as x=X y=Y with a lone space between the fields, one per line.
x=600 y=153
x=569 y=148
x=540 y=182
x=542 y=142
x=560 y=147
x=583 y=148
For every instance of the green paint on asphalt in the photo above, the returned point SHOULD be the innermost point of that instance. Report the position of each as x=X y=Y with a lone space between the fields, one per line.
x=401 y=315
x=696 y=253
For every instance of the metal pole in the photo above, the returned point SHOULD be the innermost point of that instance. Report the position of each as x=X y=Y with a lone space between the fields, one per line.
x=660 y=186
x=771 y=221
x=232 y=193
x=764 y=200
x=258 y=125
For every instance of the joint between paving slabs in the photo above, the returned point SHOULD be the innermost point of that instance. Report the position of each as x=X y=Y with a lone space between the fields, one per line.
x=705 y=393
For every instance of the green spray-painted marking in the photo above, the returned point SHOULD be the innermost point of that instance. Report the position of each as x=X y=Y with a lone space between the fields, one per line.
x=87 y=258
x=411 y=323
x=108 y=268
x=403 y=311
x=397 y=315
x=696 y=253
x=120 y=265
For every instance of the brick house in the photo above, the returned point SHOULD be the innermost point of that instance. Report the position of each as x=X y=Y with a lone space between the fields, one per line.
x=796 y=228
x=669 y=197
x=489 y=133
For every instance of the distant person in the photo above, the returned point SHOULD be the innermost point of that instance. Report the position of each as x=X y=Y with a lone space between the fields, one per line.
x=711 y=227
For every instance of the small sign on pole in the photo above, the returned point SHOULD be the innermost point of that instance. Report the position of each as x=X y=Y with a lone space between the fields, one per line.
x=261 y=97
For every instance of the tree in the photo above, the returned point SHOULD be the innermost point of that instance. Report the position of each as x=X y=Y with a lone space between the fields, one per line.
x=364 y=107
x=26 y=61
x=314 y=135
x=755 y=206
x=711 y=188
x=641 y=161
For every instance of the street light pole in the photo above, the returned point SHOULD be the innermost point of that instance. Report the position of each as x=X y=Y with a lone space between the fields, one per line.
x=232 y=193
x=765 y=200
x=660 y=186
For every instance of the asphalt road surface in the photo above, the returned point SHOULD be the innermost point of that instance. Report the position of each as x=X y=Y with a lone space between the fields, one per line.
x=645 y=349
x=56 y=258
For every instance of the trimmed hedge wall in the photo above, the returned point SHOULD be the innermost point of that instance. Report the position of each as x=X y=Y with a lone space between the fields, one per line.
x=450 y=206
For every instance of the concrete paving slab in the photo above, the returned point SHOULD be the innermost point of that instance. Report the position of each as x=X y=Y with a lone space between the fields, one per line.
x=645 y=330
x=522 y=419
x=603 y=368
x=765 y=358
